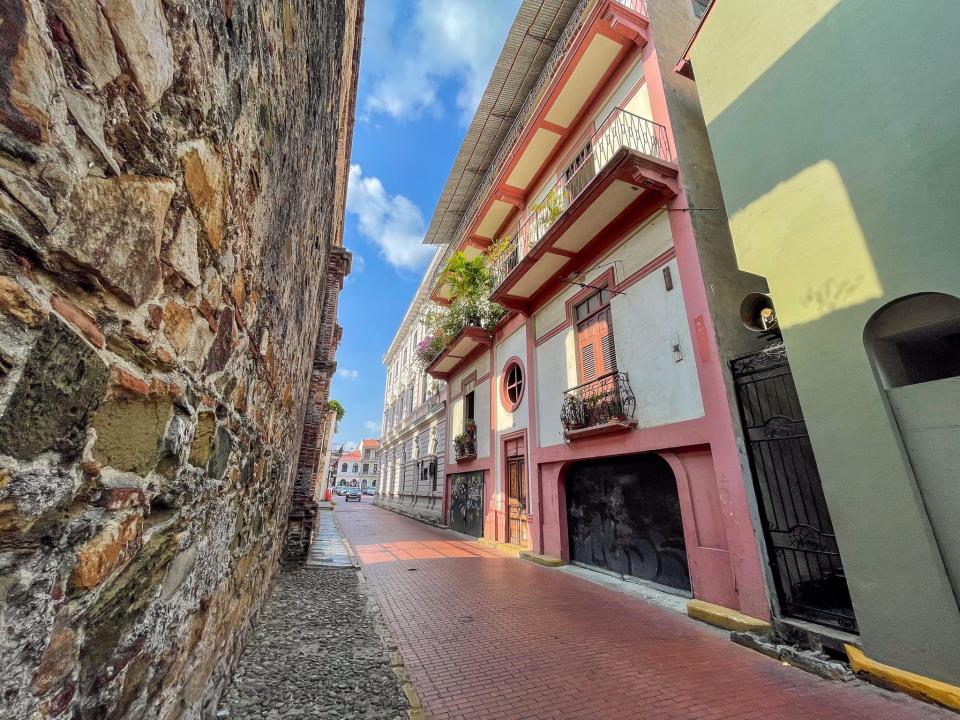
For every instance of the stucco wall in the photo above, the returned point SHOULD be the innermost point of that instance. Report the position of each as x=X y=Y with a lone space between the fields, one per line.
x=513 y=346
x=481 y=406
x=647 y=321
x=845 y=208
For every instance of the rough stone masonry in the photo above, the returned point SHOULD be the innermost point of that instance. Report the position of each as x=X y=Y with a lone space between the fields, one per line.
x=172 y=182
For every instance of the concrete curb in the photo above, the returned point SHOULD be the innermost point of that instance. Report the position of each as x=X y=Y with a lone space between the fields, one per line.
x=726 y=618
x=917 y=685
x=545 y=560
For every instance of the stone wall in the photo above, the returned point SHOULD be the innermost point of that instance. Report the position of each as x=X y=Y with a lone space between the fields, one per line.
x=172 y=180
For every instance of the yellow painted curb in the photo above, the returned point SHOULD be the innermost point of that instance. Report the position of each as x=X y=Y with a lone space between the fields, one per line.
x=501 y=547
x=545 y=560
x=918 y=685
x=725 y=617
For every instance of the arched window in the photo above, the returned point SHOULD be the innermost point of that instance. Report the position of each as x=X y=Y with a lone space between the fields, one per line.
x=343 y=468
x=915 y=339
x=356 y=467
x=511 y=384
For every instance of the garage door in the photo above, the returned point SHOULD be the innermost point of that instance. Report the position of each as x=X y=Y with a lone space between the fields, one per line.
x=623 y=516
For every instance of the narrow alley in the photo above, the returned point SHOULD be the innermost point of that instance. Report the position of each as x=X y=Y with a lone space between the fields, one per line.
x=488 y=636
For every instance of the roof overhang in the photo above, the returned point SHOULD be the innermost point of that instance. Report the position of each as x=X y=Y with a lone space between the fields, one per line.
x=530 y=44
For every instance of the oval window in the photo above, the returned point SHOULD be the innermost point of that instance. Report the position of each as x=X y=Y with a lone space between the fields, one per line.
x=512 y=385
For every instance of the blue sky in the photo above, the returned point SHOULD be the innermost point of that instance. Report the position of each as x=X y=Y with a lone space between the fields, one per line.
x=424 y=65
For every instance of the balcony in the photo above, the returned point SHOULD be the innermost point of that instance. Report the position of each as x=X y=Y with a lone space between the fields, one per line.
x=465 y=445
x=471 y=341
x=603 y=405
x=626 y=173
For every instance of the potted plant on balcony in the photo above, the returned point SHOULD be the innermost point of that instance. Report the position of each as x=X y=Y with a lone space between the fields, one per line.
x=548 y=209
x=428 y=349
x=572 y=415
x=465 y=443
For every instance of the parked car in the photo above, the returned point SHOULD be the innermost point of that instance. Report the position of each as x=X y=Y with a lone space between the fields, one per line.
x=353 y=494
x=370 y=491
x=341 y=489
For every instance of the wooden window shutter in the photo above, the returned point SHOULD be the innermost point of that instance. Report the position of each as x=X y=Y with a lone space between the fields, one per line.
x=588 y=361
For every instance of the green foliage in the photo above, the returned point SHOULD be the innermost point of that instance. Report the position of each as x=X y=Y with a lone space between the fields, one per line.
x=548 y=209
x=470 y=282
x=338 y=409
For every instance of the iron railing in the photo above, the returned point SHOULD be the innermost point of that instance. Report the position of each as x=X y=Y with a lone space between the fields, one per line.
x=608 y=398
x=620 y=129
x=521 y=120
x=638 y=6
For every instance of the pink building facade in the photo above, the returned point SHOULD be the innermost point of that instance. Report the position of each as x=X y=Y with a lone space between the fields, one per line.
x=597 y=422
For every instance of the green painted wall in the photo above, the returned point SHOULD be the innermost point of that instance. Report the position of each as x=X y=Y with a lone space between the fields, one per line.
x=835 y=125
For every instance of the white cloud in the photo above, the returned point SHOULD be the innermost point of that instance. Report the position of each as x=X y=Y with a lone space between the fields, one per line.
x=371 y=425
x=348 y=374
x=456 y=40
x=391 y=222
x=357 y=263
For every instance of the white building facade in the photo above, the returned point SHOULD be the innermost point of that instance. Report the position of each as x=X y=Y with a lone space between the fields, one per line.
x=359 y=467
x=414 y=423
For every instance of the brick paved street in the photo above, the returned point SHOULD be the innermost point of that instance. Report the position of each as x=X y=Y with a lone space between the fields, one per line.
x=486 y=636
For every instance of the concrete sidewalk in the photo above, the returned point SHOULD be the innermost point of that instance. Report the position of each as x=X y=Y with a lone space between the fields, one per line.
x=487 y=636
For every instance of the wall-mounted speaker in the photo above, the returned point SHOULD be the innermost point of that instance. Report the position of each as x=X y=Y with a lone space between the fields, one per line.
x=757 y=312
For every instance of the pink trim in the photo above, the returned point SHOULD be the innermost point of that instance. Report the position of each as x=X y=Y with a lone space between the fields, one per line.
x=508 y=326
x=555 y=331
x=533 y=454
x=654 y=264
x=729 y=472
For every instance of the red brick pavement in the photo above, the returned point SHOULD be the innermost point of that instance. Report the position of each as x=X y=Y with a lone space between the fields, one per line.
x=486 y=636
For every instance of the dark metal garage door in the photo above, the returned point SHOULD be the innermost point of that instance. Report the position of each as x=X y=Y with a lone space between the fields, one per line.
x=623 y=516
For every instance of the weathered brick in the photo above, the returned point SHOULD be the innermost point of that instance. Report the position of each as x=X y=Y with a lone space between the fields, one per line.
x=111 y=548
x=79 y=319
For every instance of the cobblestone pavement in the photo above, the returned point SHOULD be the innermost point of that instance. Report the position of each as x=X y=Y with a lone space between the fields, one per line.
x=315 y=653
x=486 y=636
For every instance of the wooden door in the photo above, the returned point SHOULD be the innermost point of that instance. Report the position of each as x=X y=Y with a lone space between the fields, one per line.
x=517 y=501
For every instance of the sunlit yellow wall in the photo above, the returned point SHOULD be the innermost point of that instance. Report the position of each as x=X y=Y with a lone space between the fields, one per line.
x=835 y=125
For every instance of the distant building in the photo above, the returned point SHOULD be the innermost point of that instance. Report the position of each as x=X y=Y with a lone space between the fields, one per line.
x=359 y=467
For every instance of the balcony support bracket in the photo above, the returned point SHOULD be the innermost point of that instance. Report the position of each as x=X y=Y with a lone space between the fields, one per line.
x=628 y=24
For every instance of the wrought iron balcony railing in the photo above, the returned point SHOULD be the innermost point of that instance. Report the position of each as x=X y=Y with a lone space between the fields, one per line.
x=620 y=129
x=465 y=445
x=609 y=398
x=638 y=6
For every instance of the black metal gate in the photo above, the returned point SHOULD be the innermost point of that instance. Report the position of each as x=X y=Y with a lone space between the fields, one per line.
x=466 y=503
x=803 y=551
x=623 y=516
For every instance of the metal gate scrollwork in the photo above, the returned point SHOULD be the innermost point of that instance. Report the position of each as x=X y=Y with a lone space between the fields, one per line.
x=802 y=546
